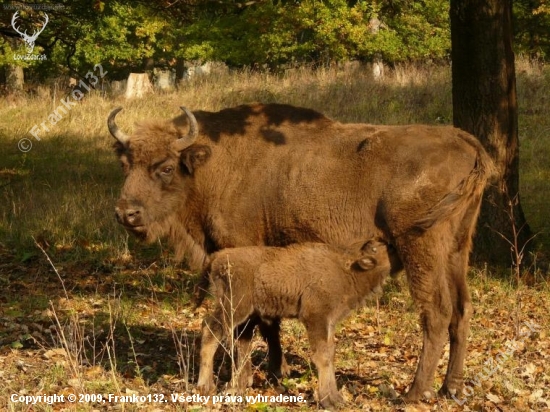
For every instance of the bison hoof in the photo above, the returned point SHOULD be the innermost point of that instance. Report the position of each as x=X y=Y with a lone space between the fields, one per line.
x=332 y=401
x=280 y=370
x=277 y=373
x=449 y=391
x=206 y=388
x=416 y=396
x=245 y=380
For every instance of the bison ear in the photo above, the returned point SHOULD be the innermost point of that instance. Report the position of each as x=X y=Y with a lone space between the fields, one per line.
x=194 y=157
x=120 y=148
x=366 y=263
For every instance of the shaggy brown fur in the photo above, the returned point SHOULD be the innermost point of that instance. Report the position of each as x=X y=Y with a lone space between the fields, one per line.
x=313 y=282
x=276 y=174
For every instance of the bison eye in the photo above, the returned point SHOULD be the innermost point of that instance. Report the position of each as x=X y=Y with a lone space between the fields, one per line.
x=167 y=170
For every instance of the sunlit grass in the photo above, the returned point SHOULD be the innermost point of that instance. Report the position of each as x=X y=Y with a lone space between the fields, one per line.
x=65 y=188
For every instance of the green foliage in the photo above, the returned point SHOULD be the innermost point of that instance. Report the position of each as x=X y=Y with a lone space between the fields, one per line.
x=275 y=33
x=120 y=35
x=532 y=27
x=7 y=52
x=124 y=35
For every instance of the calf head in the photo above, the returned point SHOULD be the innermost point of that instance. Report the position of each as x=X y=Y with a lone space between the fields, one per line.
x=379 y=254
x=158 y=161
x=375 y=254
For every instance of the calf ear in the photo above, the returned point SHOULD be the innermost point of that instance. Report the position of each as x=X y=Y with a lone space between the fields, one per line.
x=194 y=157
x=369 y=247
x=366 y=263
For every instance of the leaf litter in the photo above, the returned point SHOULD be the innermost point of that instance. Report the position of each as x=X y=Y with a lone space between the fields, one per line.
x=134 y=330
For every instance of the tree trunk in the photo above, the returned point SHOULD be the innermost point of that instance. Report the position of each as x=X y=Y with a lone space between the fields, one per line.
x=138 y=85
x=485 y=104
x=377 y=63
x=165 y=80
x=15 y=78
x=180 y=71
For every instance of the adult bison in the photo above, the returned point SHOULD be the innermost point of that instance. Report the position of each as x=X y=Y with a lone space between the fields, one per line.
x=276 y=174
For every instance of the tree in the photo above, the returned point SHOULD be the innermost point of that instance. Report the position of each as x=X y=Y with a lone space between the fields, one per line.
x=484 y=104
x=531 y=26
x=15 y=77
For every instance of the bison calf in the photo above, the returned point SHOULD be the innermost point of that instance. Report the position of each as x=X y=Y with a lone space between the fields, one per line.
x=313 y=282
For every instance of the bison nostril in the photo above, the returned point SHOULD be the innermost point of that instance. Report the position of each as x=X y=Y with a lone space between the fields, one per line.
x=129 y=216
x=133 y=216
x=132 y=212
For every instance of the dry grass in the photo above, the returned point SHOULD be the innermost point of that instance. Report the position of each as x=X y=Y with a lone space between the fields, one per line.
x=75 y=157
x=126 y=317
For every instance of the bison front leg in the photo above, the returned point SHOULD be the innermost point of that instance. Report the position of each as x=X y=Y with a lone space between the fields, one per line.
x=427 y=276
x=271 y=332
x=212 y=335
x=321 y=340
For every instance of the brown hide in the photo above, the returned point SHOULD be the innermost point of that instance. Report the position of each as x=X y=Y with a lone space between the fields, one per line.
x=313 y=282
x=277 y=174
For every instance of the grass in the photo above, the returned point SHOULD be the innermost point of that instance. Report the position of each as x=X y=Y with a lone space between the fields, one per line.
x=127 y=310
x=38 y=188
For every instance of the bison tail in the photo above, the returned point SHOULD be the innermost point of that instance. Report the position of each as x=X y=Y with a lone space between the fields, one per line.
x=467 y=193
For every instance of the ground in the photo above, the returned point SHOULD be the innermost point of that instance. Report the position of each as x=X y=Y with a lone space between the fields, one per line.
x=129 y=328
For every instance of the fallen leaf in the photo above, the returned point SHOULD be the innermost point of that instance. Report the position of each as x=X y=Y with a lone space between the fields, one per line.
x=535 y=396
x=494 y=398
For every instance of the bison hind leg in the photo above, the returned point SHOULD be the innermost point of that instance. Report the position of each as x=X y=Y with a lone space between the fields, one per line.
x=463 y=228
x=425 y=257
x=460 y=324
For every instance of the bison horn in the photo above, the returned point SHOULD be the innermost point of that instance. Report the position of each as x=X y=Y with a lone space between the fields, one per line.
x=113 y=128
x=186 y=141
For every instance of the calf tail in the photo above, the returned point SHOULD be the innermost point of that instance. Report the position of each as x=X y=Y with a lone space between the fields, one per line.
x=202 y=287
x=468 y=192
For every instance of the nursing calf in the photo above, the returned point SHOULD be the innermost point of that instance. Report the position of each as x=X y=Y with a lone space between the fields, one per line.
x=314 y=282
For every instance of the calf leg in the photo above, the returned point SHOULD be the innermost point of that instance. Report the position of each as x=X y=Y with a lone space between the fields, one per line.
x=321 y=339
x=212 y=335
x=277 y=363
x=243 y=366
x=425 y=259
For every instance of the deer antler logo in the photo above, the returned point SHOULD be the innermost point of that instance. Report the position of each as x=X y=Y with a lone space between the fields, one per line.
x=28 y=39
